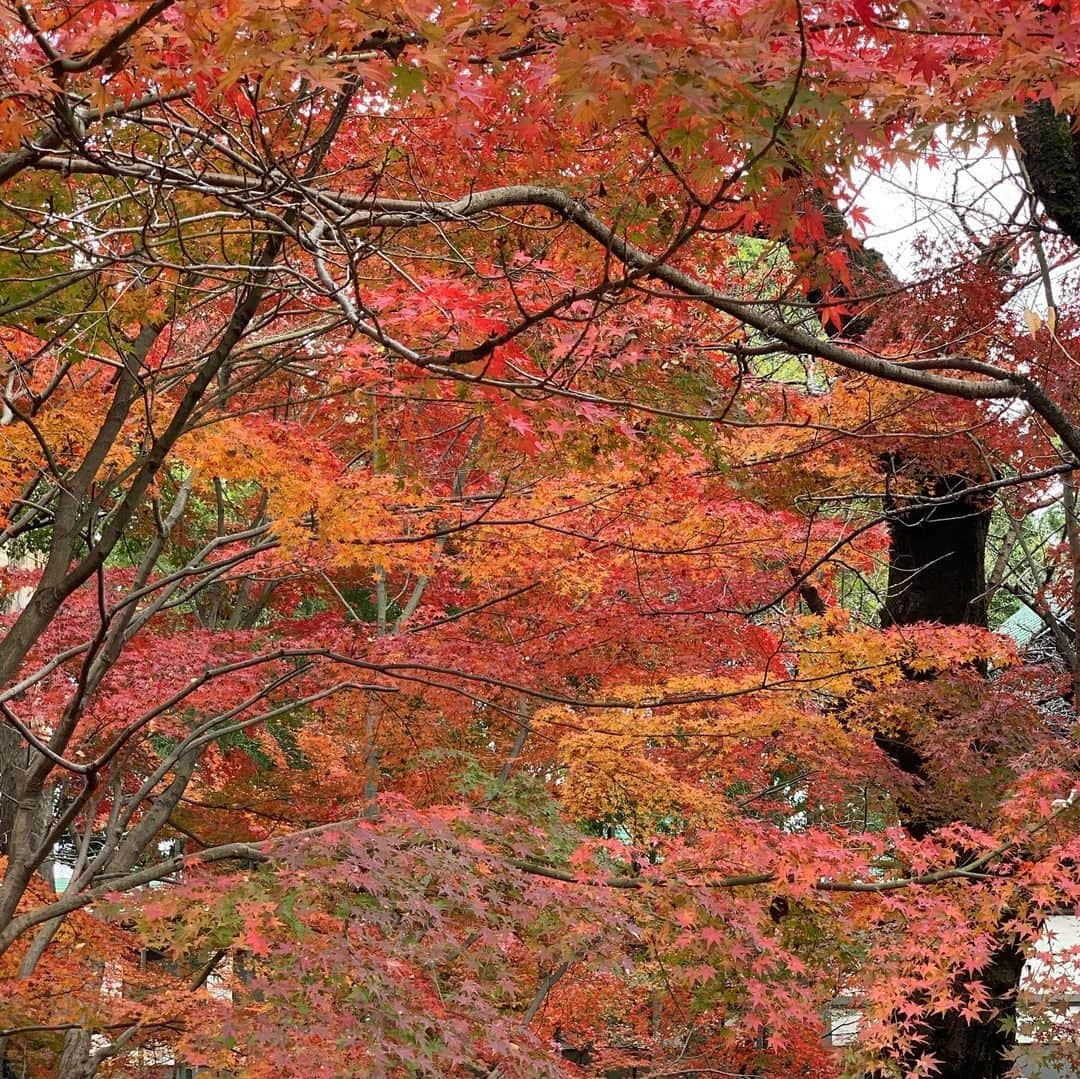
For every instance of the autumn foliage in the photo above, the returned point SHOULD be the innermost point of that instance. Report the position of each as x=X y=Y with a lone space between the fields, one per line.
x=451 y=456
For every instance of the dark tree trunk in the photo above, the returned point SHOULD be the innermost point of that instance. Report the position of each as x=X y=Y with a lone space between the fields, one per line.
x=77 y=1060
x=937 y=557
x=981 y=1050
x=936 y=574
x=1051 y=153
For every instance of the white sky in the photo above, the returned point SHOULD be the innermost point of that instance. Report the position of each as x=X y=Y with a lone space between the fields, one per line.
x=908 y=202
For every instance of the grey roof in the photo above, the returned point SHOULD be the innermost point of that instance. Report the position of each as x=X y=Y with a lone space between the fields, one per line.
x=1023 y=625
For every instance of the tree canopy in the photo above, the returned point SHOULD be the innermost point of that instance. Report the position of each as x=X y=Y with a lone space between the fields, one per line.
x=497 y=567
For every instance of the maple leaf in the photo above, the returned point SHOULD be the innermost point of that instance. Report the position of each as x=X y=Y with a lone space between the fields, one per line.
x=864 y=9
x=860 y=217
x=928 y=64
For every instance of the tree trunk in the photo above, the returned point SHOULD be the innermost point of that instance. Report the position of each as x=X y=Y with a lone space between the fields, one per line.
x=12 y=767
x=937 y=556
x=937 y=574
x=981 y=1050
x=77 y=1059
x=1050 y=150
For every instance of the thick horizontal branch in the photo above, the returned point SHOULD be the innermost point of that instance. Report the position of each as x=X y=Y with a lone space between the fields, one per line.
x=381 y=213
x=373 y=212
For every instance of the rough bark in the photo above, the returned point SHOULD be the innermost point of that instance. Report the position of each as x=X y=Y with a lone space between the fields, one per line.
x=16 y=758
x=13 y=762
x=937 y=574
x=937 y=557
x=1051 y=153
x=77 y=1060
x=981 y=1050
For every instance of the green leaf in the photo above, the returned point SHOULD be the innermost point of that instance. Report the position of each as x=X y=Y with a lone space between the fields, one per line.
x=406 y=80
